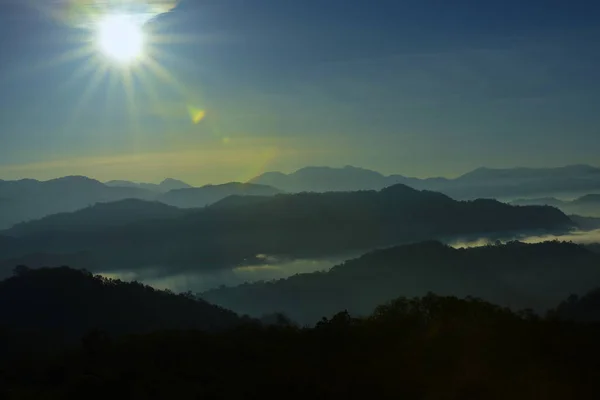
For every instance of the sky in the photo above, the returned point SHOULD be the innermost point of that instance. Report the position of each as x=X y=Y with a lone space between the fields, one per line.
x=420 y=88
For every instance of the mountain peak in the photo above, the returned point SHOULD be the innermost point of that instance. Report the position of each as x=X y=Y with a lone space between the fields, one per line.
x=74 y=180
x=172 y=184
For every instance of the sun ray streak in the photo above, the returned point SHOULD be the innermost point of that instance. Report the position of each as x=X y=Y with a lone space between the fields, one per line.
x=132 y=110
x=97 y=77
x=149 y=89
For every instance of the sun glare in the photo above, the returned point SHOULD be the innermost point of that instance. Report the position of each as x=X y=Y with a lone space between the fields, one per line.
x=120 y=38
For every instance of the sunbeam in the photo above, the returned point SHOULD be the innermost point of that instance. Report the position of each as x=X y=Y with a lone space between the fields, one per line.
x=118 y=45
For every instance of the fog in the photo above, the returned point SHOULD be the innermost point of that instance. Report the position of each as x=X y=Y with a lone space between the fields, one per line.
x=273 y=268
x=276 y=268
x=579 y=237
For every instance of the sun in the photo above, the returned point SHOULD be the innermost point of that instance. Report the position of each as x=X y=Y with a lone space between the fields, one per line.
x=120 y=38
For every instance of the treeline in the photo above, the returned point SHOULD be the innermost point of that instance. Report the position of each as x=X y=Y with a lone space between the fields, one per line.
x=65 y=303
x=519 y=275
x=427 y=348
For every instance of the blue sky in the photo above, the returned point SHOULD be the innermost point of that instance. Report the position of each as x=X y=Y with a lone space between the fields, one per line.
x=420 y=88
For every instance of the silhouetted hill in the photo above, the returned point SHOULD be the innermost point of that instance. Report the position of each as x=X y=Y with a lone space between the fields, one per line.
x=71 y=303
x=202 y=196
x=409 y=348
x=482 y=182
x=98 y=216
x=588 y=205
x=518 y=275
x=295 y=226
x=30 y=199
x=164 y=186
x=584 y=308
x=82 y=260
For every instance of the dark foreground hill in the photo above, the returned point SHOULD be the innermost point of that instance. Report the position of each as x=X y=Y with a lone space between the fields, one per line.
x=518 y=275
x=68 y=303
x=428 y=348
x=237 y=230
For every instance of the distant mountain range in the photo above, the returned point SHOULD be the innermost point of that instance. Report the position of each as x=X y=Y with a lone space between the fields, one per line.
x=26 y=200
x=517 y=275
x=588 y=205
x=29 y=199
x=237 y=230
x=209 y=194
x=163 y=187
x=480 y=183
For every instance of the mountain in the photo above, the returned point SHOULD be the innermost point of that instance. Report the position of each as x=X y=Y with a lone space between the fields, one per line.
x=586 y=223
x=164 y=186
x=70 y=303
x=173 y=184
x=512 y=174
x=346 y=179
x=482 y=182
x=237 y=231
x=544 y=201
x=98 y=216
x=588 y=205
x=324 y=179
x=31 y=199
x=591 y=199
x=518 y=275
x=521 y=182
x=202 y=196
x=27 y=200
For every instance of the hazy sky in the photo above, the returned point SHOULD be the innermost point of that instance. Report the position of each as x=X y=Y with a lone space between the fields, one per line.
x=417 y=87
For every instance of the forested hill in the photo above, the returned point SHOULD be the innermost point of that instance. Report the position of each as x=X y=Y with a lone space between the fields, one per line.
x=424 y=348
x=69 y=303
x=98 y=216
x=236 y=230
x=519 y=275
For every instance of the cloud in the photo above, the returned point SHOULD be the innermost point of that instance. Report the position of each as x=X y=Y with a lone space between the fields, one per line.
x=84 y=12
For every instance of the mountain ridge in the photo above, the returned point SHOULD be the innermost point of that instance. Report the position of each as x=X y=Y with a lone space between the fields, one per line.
x=585 y=206
x=481 y=182
x=305 y=225
x=28 y=200
x=518 y=275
